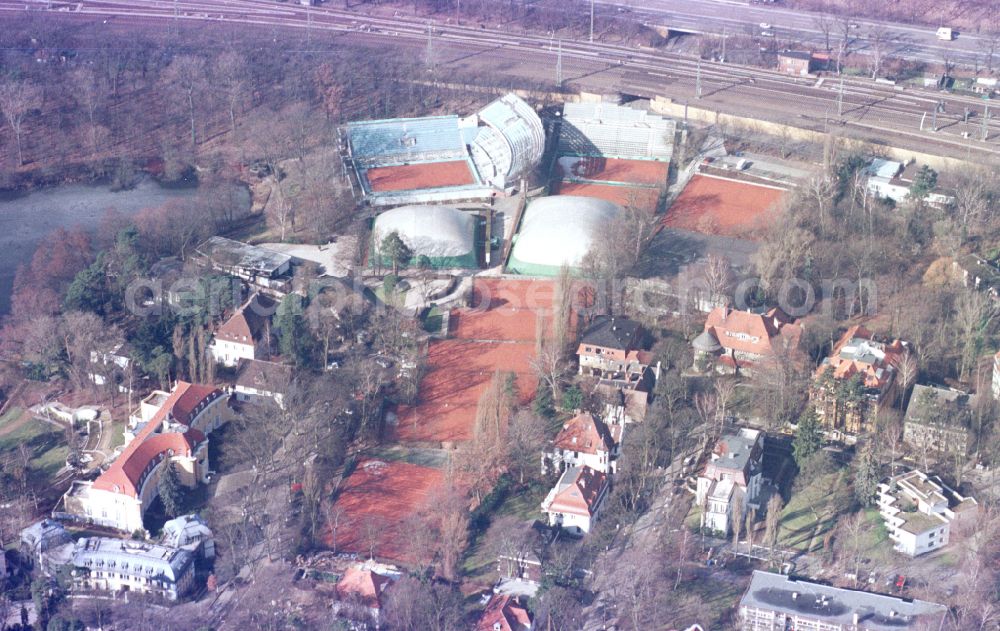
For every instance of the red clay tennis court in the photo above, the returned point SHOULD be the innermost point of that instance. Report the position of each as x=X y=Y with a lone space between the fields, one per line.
x=378 y=497
x=497 y=334
x=458 y=372
x=713 y=205
x=645 y=172
x=410 y=177
x=621 y=195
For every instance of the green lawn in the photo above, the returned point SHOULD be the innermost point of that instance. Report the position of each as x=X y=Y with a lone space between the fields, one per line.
x=812 y=512
x=693 y=518
x=10 y=416
x=47 y=444
x=117 y=429
x=398 y=296
x=480 y=564
x=714 y=599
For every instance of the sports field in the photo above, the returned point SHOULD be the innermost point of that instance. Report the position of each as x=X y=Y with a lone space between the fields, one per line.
x=497 y=333
x=713 y=205
x=375 y=502
x=419 y=176
x=643 y=172
x=622 y=195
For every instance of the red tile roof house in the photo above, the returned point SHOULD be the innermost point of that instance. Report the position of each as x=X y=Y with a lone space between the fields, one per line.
x=246 y=335
x=856 y=379
x=575 y=501
x=168 y=426
x=584 y=440
x=740 y=341
x=360 y=594
x=504 y=613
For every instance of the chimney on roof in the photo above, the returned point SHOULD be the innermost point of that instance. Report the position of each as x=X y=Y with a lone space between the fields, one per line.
x=856 y=618
x=795 y=595
x=777 y=323
x=892 y=613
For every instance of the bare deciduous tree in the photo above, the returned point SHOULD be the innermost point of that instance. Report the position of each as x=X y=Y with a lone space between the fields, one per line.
x=187 y=78
x=17 y=100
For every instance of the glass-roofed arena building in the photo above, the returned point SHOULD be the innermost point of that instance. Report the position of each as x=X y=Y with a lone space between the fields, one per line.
x=441 y=159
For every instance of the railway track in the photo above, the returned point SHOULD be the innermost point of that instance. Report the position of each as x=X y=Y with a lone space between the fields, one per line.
x=862 y=104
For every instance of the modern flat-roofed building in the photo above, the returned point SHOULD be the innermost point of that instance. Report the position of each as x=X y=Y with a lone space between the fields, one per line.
x=918 y=511
x=256 y=265
x=775 y=602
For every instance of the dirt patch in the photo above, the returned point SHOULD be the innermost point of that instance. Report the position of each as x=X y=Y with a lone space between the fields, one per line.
x=717 y=206
x=376 y=500
x=419 y=176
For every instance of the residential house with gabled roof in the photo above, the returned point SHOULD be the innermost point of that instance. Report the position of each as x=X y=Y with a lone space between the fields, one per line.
x=735 y=470
x=40 y=538
x=612 y=345
x=191 y=533
x=584 y=440
x=258 y=379
x=360 y=592
x=938 y=420
x=918 y=511
x=504 y=613
x=612 y=350
x=575 y=501
x=167 y=427
x=858 y=377
x=245 y=335
x=742 y=341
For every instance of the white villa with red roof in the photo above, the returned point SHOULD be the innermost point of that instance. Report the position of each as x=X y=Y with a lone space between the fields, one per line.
x=740 y=341
x=574 y=502
x=584 y=440
x=245 y=335
x=167 y=426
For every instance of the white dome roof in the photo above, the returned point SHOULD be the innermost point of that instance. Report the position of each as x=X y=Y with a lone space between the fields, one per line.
x=559 y=230
x=432 y=231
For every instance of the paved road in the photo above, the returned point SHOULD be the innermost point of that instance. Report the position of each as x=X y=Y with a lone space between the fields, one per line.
x=914 y=42
x=859 y=109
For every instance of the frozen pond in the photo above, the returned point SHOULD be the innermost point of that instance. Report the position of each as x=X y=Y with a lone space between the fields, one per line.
x=25 y=220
